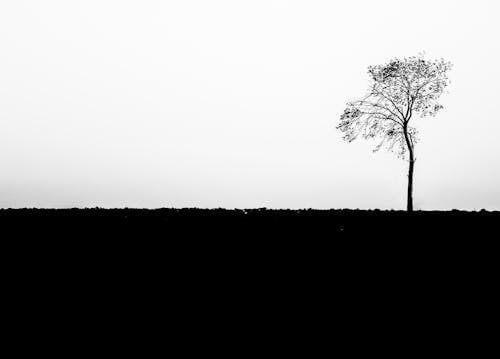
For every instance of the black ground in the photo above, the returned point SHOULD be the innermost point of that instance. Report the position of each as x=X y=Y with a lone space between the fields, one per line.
x=308 y=224
x=302 y=270
x=256 y=240
x=234 y=237
x=315 y=230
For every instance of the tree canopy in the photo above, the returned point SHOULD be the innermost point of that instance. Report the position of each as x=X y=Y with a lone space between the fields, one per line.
x=399 y=90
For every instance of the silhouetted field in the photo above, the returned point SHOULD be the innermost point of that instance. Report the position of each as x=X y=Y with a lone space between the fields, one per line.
x=260 y=223
x=219 y=258
x=254 y=240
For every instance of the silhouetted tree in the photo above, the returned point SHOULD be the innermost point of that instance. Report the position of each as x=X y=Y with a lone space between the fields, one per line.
x=399 y=90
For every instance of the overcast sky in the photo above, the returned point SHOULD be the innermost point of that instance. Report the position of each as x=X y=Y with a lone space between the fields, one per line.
x=234 y=103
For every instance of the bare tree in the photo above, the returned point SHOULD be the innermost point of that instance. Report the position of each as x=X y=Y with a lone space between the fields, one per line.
x=400 y=90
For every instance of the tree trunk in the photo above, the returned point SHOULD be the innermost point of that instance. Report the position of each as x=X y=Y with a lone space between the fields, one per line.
x=409 y=205
x=409 y=143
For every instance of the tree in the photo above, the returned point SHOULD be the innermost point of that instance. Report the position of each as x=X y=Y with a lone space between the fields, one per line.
x=400 y=90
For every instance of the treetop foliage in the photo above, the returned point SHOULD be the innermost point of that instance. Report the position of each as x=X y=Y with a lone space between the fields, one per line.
x=399 y=90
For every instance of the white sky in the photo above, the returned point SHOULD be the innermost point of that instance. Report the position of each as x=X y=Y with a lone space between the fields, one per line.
x=234 y=103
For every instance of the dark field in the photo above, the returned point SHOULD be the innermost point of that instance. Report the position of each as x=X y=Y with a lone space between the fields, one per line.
x=305 y=225
x=254 y=240
x=290 y=237
x=310 y=245
x=242 y=236
x=255 y=261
